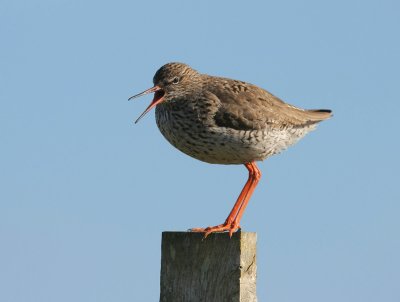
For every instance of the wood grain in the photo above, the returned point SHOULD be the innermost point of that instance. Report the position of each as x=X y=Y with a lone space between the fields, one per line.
x=215 y=269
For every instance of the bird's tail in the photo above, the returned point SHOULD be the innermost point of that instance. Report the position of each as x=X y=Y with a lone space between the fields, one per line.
x=318 y=115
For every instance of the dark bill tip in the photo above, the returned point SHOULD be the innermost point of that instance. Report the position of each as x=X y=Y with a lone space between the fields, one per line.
x=150 y=90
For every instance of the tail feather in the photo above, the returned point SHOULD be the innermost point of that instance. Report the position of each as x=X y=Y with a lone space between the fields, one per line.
x=318 y=115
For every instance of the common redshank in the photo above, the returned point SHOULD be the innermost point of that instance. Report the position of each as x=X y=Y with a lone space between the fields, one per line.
x=223 y=121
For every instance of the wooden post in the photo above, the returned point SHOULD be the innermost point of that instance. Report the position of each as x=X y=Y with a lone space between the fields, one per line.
x=214 y=269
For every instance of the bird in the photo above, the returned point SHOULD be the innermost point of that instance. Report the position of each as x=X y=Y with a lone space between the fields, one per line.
x=219 y=120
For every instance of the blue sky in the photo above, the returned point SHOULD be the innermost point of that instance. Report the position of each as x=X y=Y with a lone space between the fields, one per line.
x=85 y=193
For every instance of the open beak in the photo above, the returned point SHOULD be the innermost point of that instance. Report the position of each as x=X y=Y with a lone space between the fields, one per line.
x=158 y=98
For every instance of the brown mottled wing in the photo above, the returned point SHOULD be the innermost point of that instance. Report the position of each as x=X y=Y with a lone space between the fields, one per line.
x=247 y=107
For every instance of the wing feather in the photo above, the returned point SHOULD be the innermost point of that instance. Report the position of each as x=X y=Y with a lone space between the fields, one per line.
x=244 y=106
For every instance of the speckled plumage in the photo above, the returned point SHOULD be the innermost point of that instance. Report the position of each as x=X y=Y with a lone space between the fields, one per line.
x=224 y=121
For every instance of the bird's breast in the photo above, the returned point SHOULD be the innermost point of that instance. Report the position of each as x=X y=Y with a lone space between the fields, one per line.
x=191 y=128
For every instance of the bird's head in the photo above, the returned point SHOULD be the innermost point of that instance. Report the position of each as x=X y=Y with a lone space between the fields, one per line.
x=171 y=81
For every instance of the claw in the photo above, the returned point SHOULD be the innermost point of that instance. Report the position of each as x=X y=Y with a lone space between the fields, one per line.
x=231 y=228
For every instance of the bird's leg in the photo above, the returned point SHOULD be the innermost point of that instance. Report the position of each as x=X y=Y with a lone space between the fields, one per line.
x=232 y=217
x=256 y=176
x=231 y=223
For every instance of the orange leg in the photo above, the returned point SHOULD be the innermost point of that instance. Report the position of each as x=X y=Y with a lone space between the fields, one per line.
x=231 y=223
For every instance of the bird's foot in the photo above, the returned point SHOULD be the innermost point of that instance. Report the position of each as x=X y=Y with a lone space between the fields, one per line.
x=225 y=227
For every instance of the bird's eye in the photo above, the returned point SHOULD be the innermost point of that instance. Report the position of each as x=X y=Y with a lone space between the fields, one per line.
x=175 y=80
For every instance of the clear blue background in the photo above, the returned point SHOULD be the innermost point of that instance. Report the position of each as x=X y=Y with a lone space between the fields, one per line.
x=85 y=193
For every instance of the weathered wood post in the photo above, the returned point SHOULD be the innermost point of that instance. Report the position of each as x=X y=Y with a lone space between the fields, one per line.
x=216 y=269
